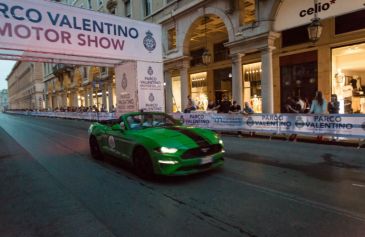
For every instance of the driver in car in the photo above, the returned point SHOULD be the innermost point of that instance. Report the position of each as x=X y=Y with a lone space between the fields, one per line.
x=148 y=121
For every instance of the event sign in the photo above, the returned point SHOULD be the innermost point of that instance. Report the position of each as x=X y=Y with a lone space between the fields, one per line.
x=139 y=86
x=126 y=90
x=293 y=13
x=58 y=30
x=150 y=86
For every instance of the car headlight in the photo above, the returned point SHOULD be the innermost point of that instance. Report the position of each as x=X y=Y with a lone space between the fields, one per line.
x=220 y=141
x=167 y=150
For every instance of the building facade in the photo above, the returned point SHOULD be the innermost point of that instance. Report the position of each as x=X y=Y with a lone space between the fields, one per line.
x=231 y=49
x=3 y=100
x=25 y=86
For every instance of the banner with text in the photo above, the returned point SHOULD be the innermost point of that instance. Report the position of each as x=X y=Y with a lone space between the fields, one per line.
x=150 y=86
x=126 y=89
x=349 y=125
x=58 y=29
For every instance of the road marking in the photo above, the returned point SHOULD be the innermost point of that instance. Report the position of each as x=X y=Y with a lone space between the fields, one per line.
x=359 y=185
x=300 y=200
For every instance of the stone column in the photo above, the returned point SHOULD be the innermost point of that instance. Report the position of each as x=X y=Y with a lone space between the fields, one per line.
x=237 y=88
x=185 y=80
x=168 y=92
x=91 y=100
x=86 y=94
x=103 y=101
x=110 y=96
x=267 y=81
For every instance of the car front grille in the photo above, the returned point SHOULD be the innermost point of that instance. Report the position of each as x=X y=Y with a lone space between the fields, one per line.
x=202 y=151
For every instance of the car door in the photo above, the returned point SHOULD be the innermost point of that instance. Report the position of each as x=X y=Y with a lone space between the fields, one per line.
x=118 y=143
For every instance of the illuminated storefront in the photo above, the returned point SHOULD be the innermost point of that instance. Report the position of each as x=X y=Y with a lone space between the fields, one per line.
x=335 y=64
x=252 y=85
x=348 y=77
x=199 y=89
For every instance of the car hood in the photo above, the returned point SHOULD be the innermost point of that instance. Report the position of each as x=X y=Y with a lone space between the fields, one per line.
x=179 y=136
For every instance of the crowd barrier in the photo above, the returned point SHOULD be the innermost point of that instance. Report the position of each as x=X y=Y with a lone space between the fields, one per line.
x=336 y=125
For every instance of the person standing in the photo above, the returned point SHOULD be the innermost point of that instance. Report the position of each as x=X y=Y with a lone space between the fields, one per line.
x=333 y=105
x=247 y=109
x=191 y=106
x=235 y=108
x=319 y=104
x=225 y=105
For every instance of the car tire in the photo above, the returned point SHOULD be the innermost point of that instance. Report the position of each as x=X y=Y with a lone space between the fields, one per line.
x=143 y=164
x=95 y=149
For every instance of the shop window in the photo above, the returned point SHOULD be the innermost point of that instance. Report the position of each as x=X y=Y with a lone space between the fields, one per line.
x=147 y=7
x=247 y=11
x=84 y=73
x=294 y=36
x=196 y=57
x=252 y=85
x=350 y=22
x=171 y=35
x=221 y=53
x=348 y=77
x=100 y=3
x=103 y=70
x=127 y=8
x=176 y=94
x=223 y=84
x=298 y=77
x=199 y=89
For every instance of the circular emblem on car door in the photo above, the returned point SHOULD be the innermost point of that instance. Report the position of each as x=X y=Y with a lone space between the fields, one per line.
x=111 y=142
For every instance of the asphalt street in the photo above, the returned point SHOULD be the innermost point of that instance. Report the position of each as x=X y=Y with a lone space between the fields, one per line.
x=50 y=186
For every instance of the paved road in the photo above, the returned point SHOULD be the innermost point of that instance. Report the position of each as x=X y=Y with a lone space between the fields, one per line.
x=50 y=186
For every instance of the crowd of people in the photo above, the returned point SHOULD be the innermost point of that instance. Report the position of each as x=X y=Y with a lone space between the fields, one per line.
x=297 y=104
x=225 y=106
x=319 y=105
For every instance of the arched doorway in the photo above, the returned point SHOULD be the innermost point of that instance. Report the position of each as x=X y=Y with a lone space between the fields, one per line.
x=208 y=79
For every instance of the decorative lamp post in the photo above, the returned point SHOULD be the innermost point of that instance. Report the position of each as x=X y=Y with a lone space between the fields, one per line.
x=315 y=28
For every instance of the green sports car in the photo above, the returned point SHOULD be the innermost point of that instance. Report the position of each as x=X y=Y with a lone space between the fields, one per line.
x=155 y=143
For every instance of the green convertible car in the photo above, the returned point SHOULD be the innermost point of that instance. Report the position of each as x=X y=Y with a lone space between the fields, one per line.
x=155 y=143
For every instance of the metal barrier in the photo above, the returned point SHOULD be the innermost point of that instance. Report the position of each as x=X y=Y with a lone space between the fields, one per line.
x=336 y=125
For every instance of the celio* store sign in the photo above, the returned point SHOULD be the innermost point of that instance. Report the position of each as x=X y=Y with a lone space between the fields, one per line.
x=300 y=12
x=41 y=27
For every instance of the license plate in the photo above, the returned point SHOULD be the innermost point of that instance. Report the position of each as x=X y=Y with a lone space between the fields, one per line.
x=206 y=160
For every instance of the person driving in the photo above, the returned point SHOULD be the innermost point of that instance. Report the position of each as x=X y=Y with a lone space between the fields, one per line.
x=148 y=121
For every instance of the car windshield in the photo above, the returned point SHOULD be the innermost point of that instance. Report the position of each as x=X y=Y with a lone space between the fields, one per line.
x=148 y=120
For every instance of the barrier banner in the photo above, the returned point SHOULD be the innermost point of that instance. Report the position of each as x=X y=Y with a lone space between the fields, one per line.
x=349 y=125
x=341 y=125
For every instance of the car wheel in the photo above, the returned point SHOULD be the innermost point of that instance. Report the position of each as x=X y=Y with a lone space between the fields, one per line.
x=95 y=149
x=143 y=164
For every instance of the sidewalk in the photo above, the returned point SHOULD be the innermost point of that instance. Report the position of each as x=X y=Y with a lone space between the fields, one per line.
x=33 y=203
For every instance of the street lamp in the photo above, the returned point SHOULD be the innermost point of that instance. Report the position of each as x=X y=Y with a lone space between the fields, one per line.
x=315 y=28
